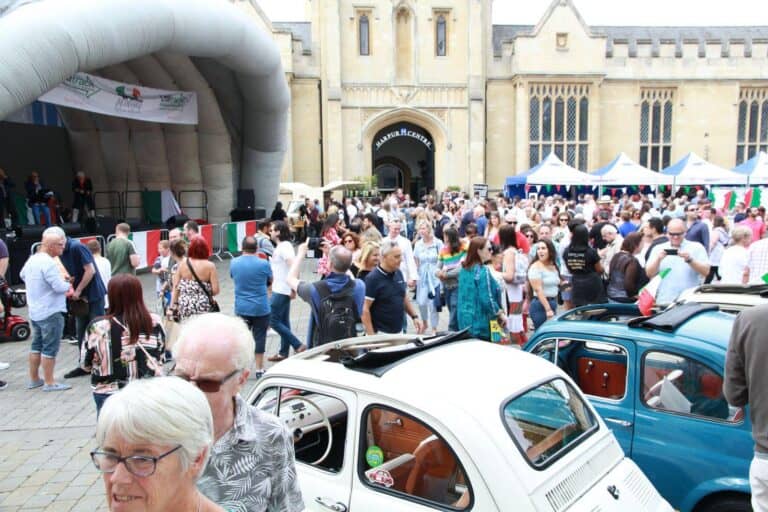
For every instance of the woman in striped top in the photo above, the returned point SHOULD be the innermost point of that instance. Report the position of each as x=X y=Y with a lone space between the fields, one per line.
x=126 y=344
x=448 y=267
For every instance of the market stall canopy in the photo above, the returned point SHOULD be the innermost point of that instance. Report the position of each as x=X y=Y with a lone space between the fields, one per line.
x=625 y=171
x=551 y=171
x=694 y=170
x=756 y=169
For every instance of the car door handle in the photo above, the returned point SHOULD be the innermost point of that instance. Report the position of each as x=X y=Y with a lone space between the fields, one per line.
x=616 y=421
x=330 y=505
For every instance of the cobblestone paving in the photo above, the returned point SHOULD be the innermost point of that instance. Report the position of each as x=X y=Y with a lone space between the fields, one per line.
x=45 y=438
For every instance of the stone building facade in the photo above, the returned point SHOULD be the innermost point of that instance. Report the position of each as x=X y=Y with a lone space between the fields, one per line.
x=428 y=93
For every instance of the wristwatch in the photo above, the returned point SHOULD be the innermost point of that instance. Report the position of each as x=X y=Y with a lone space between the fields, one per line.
x=414 y=317
x=689 y=259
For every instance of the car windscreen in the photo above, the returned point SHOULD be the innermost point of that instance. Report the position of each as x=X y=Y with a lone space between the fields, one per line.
x=547 y=421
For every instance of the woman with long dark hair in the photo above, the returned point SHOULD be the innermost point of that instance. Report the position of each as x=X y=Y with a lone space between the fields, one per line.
x=331 y=233
x=584 y=264
x=479 y=293
x=126 y=344
x=544 y=282
x=448 y=267
x=278 y=213
x=626 y=275
x=513 y=261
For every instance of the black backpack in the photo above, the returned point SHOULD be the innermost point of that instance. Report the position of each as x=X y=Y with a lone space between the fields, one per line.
x=337 y=313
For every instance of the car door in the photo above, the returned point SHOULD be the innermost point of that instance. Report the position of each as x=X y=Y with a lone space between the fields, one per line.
x=686 y=434
x=408 y=463
x=602 y=367
x=324 y=465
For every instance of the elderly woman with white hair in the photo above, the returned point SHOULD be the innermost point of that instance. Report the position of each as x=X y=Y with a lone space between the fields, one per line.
x=154 y=438
x=733 y=263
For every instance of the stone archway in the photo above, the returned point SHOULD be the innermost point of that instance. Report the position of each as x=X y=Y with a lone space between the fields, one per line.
x=443 y=167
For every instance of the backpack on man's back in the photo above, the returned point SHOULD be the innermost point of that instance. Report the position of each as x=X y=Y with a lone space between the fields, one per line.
x=337 y=313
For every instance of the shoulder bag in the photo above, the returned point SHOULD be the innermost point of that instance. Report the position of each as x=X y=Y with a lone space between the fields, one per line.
x=214 y=305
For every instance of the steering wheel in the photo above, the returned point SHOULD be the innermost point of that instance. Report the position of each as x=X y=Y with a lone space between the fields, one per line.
x=299 y=432
x=656 y=388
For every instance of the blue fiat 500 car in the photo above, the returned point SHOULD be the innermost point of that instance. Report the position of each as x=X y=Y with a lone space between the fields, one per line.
x=657 y=382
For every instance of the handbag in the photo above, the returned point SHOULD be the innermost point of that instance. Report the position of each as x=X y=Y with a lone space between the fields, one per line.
x=494 y=326
x=78 y=307
x=521 y=268
x=214 y=305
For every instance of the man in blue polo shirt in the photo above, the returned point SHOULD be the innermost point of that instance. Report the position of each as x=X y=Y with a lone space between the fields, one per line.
x=252 y=275
x=386 y=298
x=80 y=265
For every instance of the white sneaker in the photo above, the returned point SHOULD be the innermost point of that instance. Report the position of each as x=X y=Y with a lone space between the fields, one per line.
x=71 y=341
x=4 y=366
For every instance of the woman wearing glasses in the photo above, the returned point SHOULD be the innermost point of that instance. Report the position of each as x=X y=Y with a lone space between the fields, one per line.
x=127 y=344
x=154 y=440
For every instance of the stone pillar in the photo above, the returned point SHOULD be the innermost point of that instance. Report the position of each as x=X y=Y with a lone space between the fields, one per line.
x=522 y=132
x=330 y=27
x=477 y=72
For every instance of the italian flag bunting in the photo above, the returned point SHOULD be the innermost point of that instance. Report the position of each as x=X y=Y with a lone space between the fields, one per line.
x=764 y=278
x=236 y=231
x=752 y=197
x=647 y=296
x=145 y=243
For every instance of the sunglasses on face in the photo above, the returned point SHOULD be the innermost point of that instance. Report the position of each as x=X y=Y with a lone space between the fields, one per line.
x=205 y=385
x=349 y=240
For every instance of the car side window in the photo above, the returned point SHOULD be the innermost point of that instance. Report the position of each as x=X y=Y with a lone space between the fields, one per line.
x=598 y=368
x=675 y=383
x=318 y=423
x=400 y=453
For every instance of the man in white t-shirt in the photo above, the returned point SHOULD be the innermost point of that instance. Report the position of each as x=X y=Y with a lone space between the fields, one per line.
x=408 y=263
x=687 y=261
x=280 y=303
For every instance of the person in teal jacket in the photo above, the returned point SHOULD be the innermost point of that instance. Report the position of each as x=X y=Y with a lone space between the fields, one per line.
x=479 y=292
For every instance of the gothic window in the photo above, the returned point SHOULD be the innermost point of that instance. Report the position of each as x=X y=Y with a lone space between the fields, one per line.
x=441 y=34
x=752 y=133
x=559 y=119
x=364 y=35
x=656 y=128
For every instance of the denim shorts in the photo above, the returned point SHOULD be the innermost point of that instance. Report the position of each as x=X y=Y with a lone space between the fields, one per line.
x=46 y=335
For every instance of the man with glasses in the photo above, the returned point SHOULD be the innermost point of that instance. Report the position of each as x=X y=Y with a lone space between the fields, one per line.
x=687 y=262
x=215 y=351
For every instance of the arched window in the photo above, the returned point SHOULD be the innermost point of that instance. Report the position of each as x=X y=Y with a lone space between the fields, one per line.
x=559 y=116
x=364 y=35
x=656 y=128
x=752 y=133
x=441 y=43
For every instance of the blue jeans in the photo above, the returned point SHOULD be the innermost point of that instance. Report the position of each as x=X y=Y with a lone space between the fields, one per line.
x=95 y=308
x=452 y=301
x=538 y=313
x=258 y=326
x=280 y=321
x=46 y=335
x=37 y=209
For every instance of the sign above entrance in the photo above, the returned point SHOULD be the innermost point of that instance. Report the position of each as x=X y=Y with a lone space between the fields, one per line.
x=402 y=132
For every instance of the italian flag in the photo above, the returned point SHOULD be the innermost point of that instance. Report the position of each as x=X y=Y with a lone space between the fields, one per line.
x=752 y=197
x=647 y=297
x=236 y=231
x=145 y=243
x=729 y=201
x=206 y=231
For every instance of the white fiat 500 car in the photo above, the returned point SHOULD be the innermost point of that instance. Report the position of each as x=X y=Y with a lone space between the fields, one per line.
x=399 y=423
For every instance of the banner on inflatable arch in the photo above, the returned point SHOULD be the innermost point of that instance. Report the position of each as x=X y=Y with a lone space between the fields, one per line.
x=94 y=94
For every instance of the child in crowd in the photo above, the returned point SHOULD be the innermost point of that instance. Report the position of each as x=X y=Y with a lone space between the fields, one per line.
x=102 y=264
x=160 y=269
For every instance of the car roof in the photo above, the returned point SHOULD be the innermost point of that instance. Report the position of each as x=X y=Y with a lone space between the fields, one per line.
x=496 y=372
x=680 y=325
x=729 y=296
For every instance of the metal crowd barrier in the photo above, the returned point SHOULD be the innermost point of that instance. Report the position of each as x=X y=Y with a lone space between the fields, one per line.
x=202 y=207
x=110 y=195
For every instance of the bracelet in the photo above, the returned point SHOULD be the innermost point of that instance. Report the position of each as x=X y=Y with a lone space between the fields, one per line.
x=414 y=317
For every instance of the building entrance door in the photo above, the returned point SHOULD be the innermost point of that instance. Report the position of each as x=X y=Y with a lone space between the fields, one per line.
x=404 y=157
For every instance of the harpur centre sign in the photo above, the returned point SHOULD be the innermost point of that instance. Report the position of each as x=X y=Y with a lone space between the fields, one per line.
x=402 y=132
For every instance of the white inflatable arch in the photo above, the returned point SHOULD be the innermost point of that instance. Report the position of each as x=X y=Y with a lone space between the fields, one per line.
x=211 y=47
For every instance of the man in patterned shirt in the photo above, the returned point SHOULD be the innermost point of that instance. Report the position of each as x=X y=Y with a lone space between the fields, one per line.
x=252 y=466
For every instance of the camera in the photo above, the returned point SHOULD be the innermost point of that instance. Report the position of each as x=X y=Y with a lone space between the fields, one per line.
x=313 y=243
x=671 y=251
